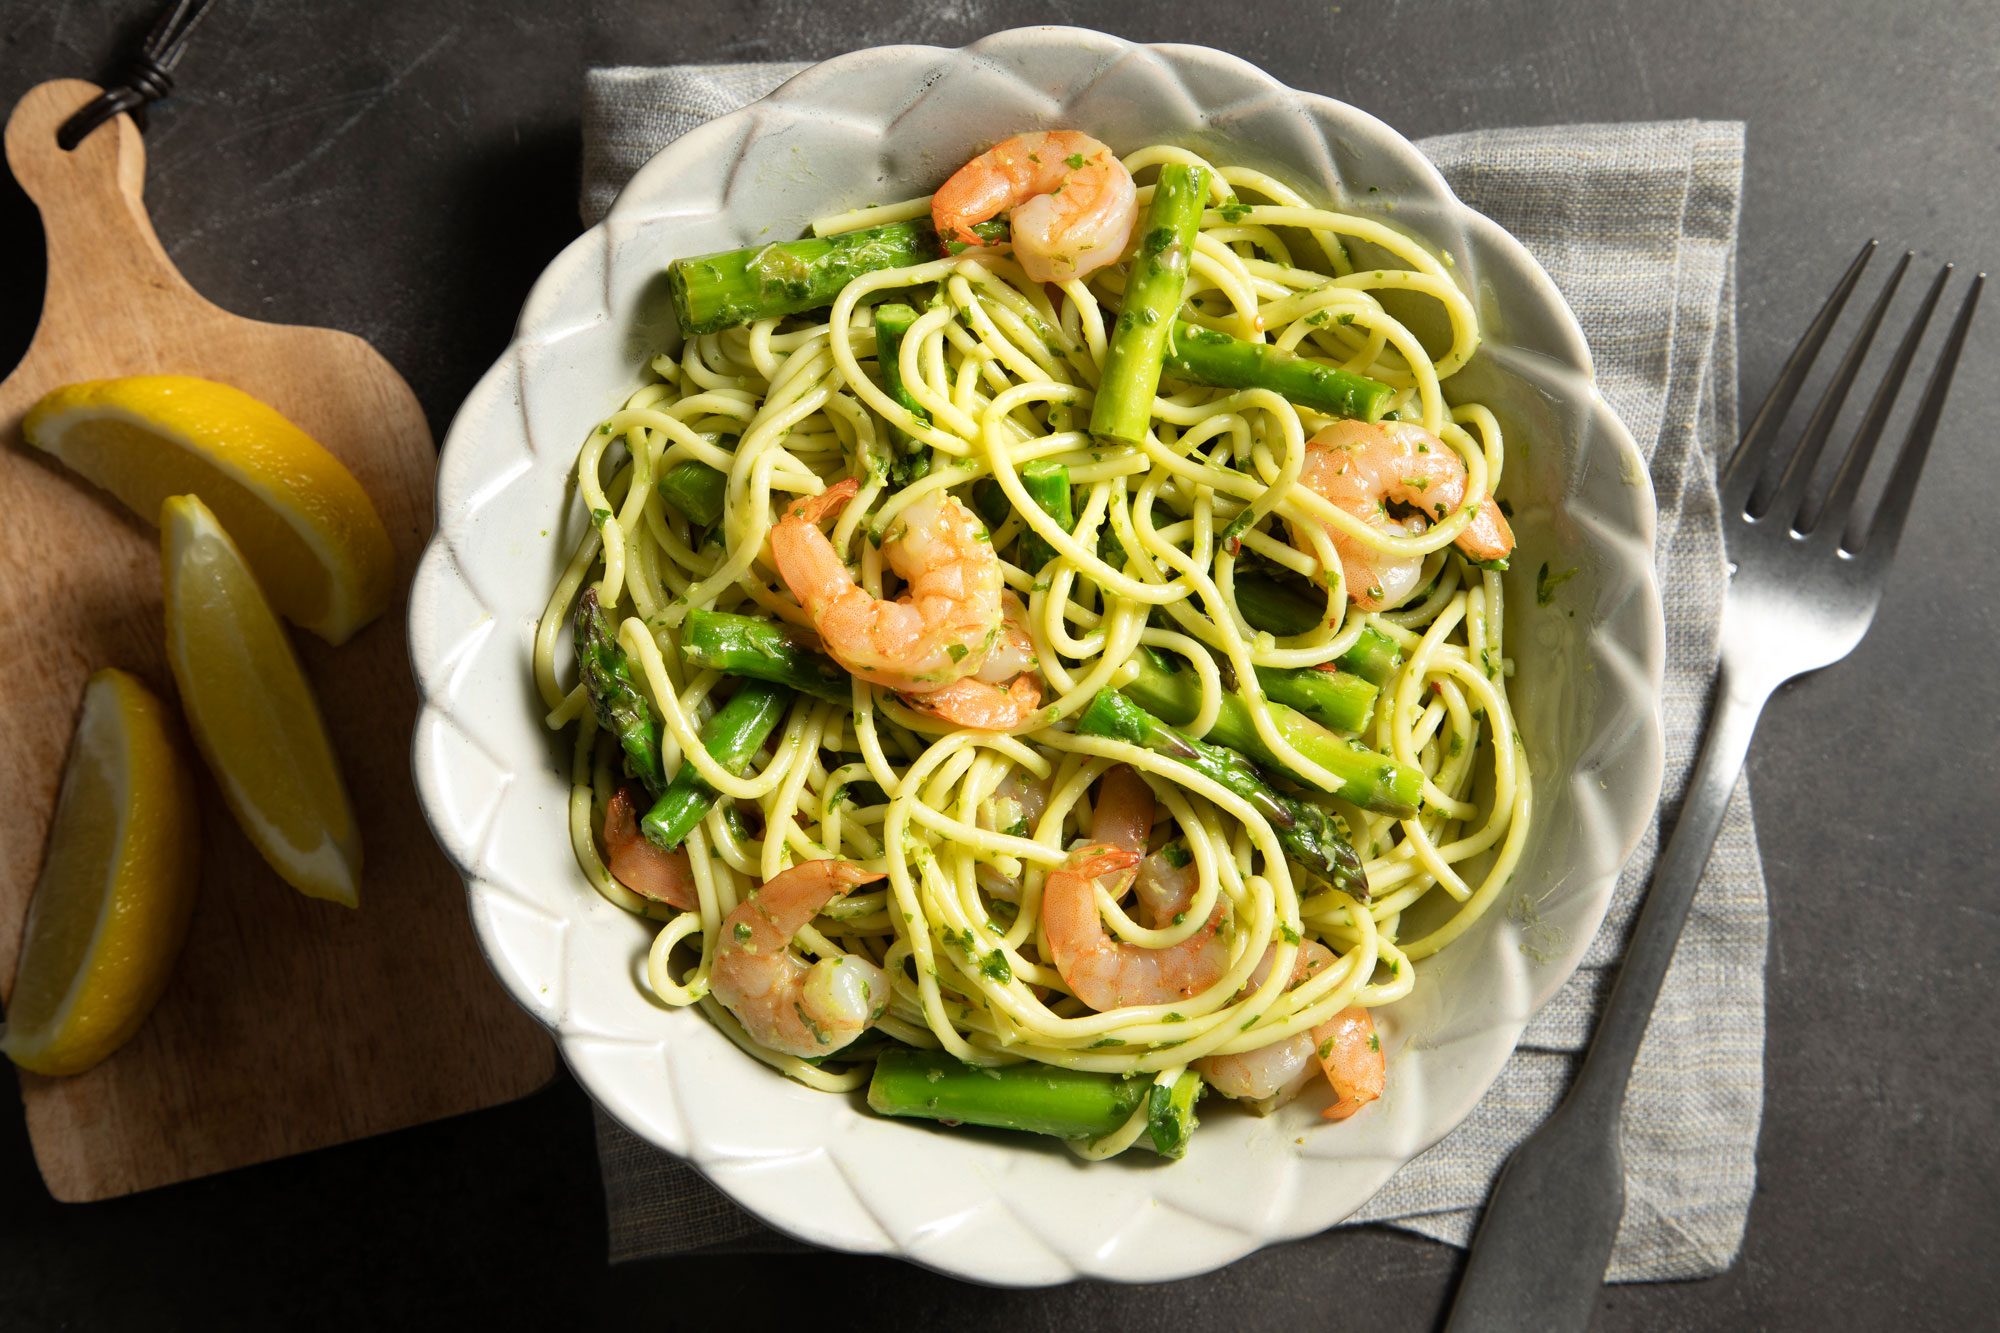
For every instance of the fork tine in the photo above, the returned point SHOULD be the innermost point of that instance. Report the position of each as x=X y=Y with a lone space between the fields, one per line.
x=1847 y=481
x=1748 y=460
x=1783 y=500
x=1887 y=526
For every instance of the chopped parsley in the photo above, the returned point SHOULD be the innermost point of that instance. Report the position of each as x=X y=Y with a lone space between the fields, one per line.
x=743 y=931
x=1074 y=161
x=600 y=516
x=1234 y=211
x=1547 y=583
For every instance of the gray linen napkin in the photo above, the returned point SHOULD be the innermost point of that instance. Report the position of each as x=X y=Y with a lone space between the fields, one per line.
x=1637 y=225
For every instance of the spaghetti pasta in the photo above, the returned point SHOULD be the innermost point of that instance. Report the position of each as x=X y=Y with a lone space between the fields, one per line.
x=1172 y=551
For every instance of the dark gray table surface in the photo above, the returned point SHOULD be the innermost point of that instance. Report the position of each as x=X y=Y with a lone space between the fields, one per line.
x=405 y=170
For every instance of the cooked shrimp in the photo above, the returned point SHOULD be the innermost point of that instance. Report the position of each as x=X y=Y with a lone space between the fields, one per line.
x=781 y=1001
x=1364 y=467
x=1123 y=814
x=1265 y=1078
x=1350 y=1052
x=1105 y=972
x=1069 y=200
x=635 y=862
x=942 y=626
x=1270 y=1076
x=980 y=701
x=1015 y=808
x=1123 y=817
x=1017 y=804
x=980 y=706
x=1109 y=973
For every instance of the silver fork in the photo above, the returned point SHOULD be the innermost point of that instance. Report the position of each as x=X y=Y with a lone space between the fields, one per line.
x=1803 y=588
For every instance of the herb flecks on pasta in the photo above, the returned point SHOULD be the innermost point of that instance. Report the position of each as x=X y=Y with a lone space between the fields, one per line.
x=1051 y=630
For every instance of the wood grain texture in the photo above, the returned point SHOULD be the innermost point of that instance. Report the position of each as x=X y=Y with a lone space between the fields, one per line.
x=290 y=1024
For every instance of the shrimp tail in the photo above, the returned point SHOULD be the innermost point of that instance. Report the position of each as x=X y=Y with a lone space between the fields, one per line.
x=636 y=862
x=1488 y=536
x=1350 y=1052
x=816 y=508
x=1099 y=861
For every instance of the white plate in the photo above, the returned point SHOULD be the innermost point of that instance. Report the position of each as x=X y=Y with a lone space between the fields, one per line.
x=887 y=124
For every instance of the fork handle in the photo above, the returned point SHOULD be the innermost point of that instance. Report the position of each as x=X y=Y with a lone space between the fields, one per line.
x=1539 y=1256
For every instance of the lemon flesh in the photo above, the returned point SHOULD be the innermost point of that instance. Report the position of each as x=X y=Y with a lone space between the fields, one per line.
x=310 y=531
x=253 y=715
x=117 y=886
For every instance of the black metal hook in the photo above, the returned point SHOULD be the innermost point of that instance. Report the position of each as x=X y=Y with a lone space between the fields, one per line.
x=150 y=78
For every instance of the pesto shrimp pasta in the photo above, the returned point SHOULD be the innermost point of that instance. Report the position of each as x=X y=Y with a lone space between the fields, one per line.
x=1038 y=648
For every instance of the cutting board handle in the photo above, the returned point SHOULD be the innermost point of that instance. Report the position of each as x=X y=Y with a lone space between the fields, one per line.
x=102 y=252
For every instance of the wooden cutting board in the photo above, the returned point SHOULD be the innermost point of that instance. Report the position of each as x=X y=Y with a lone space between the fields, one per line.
x=290 y=1023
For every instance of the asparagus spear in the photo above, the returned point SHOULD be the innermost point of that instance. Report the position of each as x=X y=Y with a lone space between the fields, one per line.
x=1316 y=839
x=1170 y=1118
x=761 y=650
x=1047 y=483
x=696 y=489
x=892 y=321
x=1270 y=606
x=621 y=709
x=1369 y=779
x=731 y=738
x=1373 y=657
x=1032 y=1098
x=1208 y=356
x=732 y=287
x=1328 y=696
x=1123 y=411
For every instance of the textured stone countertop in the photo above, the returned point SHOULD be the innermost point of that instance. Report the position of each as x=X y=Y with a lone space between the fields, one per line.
x=404 y=170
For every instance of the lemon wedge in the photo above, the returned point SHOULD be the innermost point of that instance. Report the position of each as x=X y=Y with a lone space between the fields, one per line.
x=117 y=886
x=252 y=713
x=315 y=540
